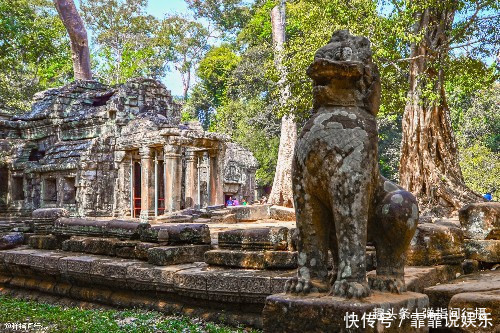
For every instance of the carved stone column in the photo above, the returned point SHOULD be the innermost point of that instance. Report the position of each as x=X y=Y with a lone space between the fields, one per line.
x=173 y=177
x=147 y=185
x=191 y=186
x=216 y=178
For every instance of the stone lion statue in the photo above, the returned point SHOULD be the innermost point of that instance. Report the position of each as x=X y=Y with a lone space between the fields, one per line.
x=341 y=200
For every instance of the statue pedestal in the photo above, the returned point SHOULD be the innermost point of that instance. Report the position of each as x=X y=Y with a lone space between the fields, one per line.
x=320 y=313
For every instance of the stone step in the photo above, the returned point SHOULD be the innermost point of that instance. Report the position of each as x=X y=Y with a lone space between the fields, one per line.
x=441 y=295
x=174 y=255
x=269 y=238
x=252 y=259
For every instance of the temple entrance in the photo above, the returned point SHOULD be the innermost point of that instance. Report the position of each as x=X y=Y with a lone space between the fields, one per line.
x=136 y=190
x=160 y=194
x=4 y=181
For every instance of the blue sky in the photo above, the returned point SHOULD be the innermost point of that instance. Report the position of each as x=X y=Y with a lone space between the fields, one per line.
x=159 y=8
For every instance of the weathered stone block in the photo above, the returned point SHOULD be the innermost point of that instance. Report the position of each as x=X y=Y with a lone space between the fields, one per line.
x=186 y=233
x=440 y=295
x=11 y=240
x=251 y=212
x=487 y=300
x=235 y=258
x=282 y=213
x=284 y=313
x=271 y=238
x=481 y=220
x=125 y=249
x=252 y=259
x=435 y=244
x=141 y=250
x=226 y=218
x=172 y=255
x=45 y=242
x=49 y=213
x=91 y=245
x=280 y=259
x=123 y=229
x=80 y=227
x=483 y=250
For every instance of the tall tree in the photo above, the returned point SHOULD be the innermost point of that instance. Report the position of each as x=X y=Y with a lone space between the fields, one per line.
x=125 y=42
x=35 y=53
x=429 y=165
x=78 y=35
x=281 y=193
x=187 y=42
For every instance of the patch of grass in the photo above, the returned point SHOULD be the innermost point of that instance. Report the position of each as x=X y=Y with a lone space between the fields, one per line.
x=59 y=319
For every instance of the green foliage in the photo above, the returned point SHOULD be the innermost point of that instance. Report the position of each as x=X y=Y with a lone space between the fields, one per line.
x=228 y=15
x=186 y=42
x=62 y=320
x=481 y=169
x=243 y=121
x=34 y=52
x=478 y=137
x=126 y=44
x=214 y=71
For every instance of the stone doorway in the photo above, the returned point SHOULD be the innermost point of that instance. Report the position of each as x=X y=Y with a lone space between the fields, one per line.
x=136 y=190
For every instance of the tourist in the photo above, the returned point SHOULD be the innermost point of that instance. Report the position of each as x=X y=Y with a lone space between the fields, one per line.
x=229 y=202
x=488 y=196
x=244 y=202
x=236 y=202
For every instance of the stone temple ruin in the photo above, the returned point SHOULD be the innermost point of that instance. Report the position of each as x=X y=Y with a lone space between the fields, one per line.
x=107 y=198
x=116 y=151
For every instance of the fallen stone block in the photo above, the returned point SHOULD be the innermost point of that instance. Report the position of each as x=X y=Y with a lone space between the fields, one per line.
x=435 y=244
x=290 y=314
x=252 y=259
x=49 y=213
x=481 y=220
x=440 y=295
x=44 y=242
x=240 y=259
x=185 y=233
x=250 y=212
x=226 y=218
x=173 y=255
x=124 y=229
x=11 y=240
x=80 y=227
x=42 y=221
x=483 y=250
x=91 y=245
x=282 y=213
x=175 y=219
x=270 y=238
x=126 y=249
x=141 y=250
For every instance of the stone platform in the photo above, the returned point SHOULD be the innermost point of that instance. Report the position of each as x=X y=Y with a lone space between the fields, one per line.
x=289 y=314
x=194 y=289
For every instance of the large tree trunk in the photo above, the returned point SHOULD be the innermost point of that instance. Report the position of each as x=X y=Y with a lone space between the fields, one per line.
x=281 y=193
x=78 y=36
x=429 y=157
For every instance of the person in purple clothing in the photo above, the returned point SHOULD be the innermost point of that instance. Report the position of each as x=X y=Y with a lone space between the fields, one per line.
x=236 y=202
